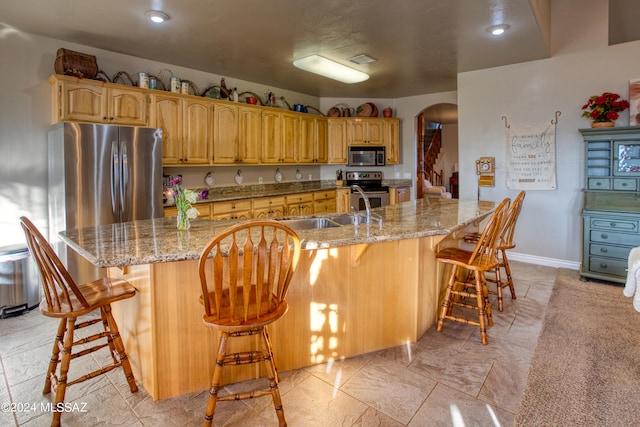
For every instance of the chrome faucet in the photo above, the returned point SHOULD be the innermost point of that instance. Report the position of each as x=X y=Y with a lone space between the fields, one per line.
x=367 y=206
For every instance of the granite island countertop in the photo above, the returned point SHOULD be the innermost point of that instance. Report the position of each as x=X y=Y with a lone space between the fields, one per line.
x=158 y=240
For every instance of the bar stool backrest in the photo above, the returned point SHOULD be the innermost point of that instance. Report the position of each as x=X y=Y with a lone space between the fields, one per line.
x=60 y=290
x=486 y=248
x=506 y=237
x=245 y=273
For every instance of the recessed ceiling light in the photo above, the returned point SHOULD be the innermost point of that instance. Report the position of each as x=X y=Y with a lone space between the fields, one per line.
x=327 y=68
x=157 y=16
x=362 y=59
x=498 y=30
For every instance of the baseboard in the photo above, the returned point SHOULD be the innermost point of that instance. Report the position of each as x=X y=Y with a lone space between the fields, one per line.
x=539 y=260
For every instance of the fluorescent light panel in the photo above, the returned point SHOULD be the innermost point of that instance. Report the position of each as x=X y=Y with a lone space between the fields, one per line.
x=318 y=65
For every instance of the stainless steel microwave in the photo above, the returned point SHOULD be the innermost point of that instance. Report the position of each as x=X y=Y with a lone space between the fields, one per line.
x=367 y=156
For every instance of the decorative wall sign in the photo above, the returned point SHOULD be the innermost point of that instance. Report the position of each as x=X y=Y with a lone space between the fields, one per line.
x=531 y=156
x=634 y=102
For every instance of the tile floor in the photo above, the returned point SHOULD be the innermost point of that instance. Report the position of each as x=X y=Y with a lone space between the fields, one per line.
x=444 y=379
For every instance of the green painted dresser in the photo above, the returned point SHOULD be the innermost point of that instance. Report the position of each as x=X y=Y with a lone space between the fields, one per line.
x=611 y=210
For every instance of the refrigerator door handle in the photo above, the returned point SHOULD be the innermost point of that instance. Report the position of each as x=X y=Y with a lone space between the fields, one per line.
x=115 y=176
x=124 y=178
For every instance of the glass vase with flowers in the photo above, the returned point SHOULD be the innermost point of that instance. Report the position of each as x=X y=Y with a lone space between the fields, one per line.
x=184 y=200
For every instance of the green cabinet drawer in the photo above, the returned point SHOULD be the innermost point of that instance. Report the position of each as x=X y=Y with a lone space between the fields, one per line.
x=620 y=252
x=599 y=184
x=614 y=224
x=625 y=184
x=608 y=266
x=615 y=238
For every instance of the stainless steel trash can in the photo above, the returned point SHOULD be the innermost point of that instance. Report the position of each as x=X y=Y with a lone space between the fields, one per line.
x=19 y=281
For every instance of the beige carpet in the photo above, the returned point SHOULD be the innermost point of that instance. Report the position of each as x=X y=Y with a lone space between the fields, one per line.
x=586 y=366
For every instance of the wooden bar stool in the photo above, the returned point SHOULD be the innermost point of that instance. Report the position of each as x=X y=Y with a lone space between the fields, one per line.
x=505 y=242
x=65 y=300
x=482 y=259
x=245 y=273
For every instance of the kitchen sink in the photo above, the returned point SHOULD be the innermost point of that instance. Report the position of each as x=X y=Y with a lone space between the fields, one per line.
x=309 y=223
x=317 y=223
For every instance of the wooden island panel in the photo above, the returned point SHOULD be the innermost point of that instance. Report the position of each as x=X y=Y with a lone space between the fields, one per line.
x=343 y=301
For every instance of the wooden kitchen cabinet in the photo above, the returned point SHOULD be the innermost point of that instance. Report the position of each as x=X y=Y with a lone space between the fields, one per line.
x=269 y=207
x=238 y=134
x=280 y=137
x=392 y=141
x=337 y=144
x=399 y=195
x=234 y=209
x=343 y=200
x=187 y=129
x=299 y=204
x=365 y=132
x=324 y=202
x=93 y=101
x=313 y=139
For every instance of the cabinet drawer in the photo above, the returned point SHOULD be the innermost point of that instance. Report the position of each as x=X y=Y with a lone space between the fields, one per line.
x=323 y=195
x=608 y=266
x=599 y=184
x=631 y=240
x=268 y=202
x=620 y=252
x=299 y=198
x=234 y=206
x=615 y=224
x=325 y=206
x=625 y=184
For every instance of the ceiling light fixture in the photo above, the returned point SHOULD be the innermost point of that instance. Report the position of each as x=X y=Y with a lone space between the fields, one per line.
x=498 y=30
x=157 y=16
x=327 y=68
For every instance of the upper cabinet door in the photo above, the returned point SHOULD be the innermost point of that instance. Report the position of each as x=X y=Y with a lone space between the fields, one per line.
x=225 y=140
x=197 y=131
x=78 y=102
x=167 y=113
x=127 y=107
x=250 y=135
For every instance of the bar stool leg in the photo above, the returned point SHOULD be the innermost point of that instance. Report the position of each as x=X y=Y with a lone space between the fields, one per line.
x=507 y=270
x=446 y=302
x=55 y=355
x=480 y=299
x=215 y=381
x=272 y=373
x=117 y=346
x=61 y=386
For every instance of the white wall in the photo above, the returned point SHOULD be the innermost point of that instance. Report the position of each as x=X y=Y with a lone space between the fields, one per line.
x=582 y=65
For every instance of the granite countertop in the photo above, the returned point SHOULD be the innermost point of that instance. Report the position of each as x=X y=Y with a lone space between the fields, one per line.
x=158 y=240
x=251 y=191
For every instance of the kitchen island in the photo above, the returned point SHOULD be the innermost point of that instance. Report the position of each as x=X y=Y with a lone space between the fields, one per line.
x=356 y=289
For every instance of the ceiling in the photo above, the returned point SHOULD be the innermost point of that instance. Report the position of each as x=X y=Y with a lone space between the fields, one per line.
x=420 y=45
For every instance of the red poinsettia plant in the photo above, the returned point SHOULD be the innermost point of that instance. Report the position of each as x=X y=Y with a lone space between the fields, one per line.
x=605 y=107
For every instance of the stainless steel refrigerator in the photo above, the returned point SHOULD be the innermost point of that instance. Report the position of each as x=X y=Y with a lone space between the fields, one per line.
x=101 y=174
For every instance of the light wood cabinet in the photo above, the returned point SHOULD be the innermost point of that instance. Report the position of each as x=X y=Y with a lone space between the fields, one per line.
x=93 y=101
x=365 y=132
x=399 y=195
x=313 y=139
x=238 y=134
x=280 y=137
x=234 y=209
x=204 y=210
x=392 y=141
x=187 y=129
x=343 y=200
x=324 y=202
x=337 y=144
x=269 y=207
x=299 y=204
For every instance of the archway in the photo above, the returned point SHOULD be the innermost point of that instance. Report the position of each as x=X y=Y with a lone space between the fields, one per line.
x=437 y=130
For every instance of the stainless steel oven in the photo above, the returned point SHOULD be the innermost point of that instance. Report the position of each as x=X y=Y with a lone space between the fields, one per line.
x=371 y=184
